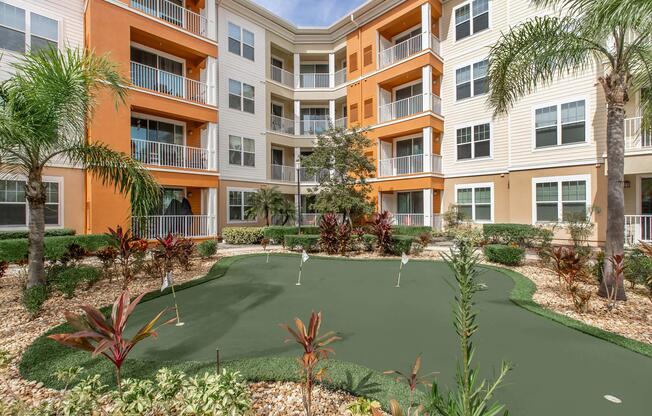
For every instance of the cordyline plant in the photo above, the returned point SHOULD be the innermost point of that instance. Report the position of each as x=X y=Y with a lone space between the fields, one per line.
x=328 y=233
x=105 y=336
x=570 y=268
x=413 y=380
x=128 y=247
x=618 y=266
x=315 y=349
x=382 y=229
x=167 y=251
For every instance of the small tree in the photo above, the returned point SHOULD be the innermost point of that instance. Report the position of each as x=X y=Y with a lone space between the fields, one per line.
x=265 y=202
x=345 y=189
x=287 y=210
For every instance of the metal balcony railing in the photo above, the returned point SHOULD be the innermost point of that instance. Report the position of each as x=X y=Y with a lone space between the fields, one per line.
x=173 y=13
x=154 y=79
x=281 y=125
x=635 y=137
x=314 y=80
x=340 y=77
x=282 y=76
x=638 y=228
x=153 y=226
x=400 y=51
x=283 y=173
x=401 y=108
x=341 y=123
x=175 y=155
x=314 y=127
x=406 y=165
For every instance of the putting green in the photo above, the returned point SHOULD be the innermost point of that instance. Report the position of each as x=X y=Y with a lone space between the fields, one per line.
x=558 y=370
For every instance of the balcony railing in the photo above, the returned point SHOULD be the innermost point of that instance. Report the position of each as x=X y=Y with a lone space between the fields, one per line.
x=406 y=165
x=314 y=127
x=400 y=51
x=635 y=137
x=175 y=155
x=314 y=80
x=282 y=76
x=418 y=220
x=436 y=164
x=281 y=125
x=167 y=83
x=154 y=226
x=436 y=104
x=638 y=228
x=435 y=44
x=340 y=77
x=401 y=108
x=283 y=173
x=310 y=218
x=341 y=123
x=173 y=13
x=304 y=176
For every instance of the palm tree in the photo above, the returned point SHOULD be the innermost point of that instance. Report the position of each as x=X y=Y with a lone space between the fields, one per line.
x=44 y=110
x=609 y=34
x=265 y=202
x=287 y=210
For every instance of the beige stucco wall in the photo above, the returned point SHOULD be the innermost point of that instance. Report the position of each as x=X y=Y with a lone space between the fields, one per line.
x=73 y=196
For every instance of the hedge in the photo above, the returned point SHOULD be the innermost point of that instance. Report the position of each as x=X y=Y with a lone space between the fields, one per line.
x=525 y=235
x=56 y=232
x=276 y=233
x=410 y=230
x=369 y=242
x=503 y=254
x=308 y=242
x=16 y=250
x=242 y=235
x=402 y=244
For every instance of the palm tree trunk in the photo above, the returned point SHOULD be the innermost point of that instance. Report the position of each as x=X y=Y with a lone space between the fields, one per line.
x=35 y=195
x=615 y=196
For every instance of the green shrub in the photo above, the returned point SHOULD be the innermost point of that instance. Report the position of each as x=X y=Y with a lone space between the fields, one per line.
x=308 y=242
x=242 y=235
x=68 y=279
x=276 y=233
x=638 y=267
x=55 y=247
x=402 y=244
x=34 y=297
x=524 y=235
x=598 y=266
x=207 y=248
x=410 y=230
x=55 y=232
x=503 y=254
x=369 y=242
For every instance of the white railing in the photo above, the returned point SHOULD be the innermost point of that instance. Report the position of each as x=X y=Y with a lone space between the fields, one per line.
x=401 y=108
x=638 y=228
x=167 y=83
x=304 y=176
x=436 y=164
x=435 y=44
x=340 y=77
x=283 y=173
x=409 y=219
x=173 y=13
x=403 y=165
x=154 y=226
x=436 y=104
x=400 y=51
x=281 y=125
x=635 y=138
x=282 y=76
x=340 y=123
x=314 y=80
x=314 y=127
x=310 y=218
x=166 y=154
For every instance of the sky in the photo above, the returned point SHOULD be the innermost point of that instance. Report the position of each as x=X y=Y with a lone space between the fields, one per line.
x=311 y=12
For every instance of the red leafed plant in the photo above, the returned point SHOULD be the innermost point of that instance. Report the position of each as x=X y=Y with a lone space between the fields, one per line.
x=315 y=349
x=382 y=229
x=128 y=246
x=618 y=265
x=105 y=336
x=166 y=251
x=328 y=233
x=413 y=379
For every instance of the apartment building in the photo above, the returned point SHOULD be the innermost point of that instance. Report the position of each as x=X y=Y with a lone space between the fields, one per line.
x=413 y=72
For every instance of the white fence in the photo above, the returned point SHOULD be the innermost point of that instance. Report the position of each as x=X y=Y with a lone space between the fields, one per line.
x=417 y=220
x=401 y=108
x=635 y=137
x=166 y=154
x=282 y=76
x=173 y=13
x=638 y=228
x=283 y=173
x=154 y=226
x=406 y=165
x=167 y=83
x=281 y=125
x=400 y=51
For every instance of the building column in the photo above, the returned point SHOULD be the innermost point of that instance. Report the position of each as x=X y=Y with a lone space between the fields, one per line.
x=211 y=145
x=297 y=70
x=211 y=80
x=427 y=149
x=297 y=164
x=297 y=117
x=426 y=81
x=210 y=197
x=427 y=207
x=331 y=111
x=426 y=26
x=211 y=20
x=331 y=70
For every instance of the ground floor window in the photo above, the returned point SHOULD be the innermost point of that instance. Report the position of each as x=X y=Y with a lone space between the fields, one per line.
x=560 y=198
x=475 y=201
x=14 y=207
x=239 y=204
x=409 y=202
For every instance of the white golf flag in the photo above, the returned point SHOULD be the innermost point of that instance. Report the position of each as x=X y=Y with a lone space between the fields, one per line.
x=304 y=256
x=404 y=258
x=167 y=281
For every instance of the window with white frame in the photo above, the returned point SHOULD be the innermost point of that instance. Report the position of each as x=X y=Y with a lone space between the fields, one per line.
x=471 y=80
x=473 y=141
x=475 y=201
x=241 y=96
x=239 y=204
x=22 y=30
x=241 y=41
x=560 y=124
x=560 y=199
x=14 y=206
x=242 y=151
x=471 y=18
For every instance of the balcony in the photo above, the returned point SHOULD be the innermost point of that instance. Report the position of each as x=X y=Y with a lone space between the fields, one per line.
x=174 y=14
x=340 y=123
x=314 y=127
x=638 y=228
x=173 y=155
x=314 y=80
x=340 y=77
x=281 y=125
x=197 y=226
x=308 y=80
x=163 y=82
x=407 y=165
x=304 y=176
x=282 y=76
x=407 y=107
x=405 y=49
x=283 y=173
x=635 y=138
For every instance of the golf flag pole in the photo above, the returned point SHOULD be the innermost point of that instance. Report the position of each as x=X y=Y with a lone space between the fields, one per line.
x=304 y=258
x=167 y=281
x=267 y=261
x=404 y=260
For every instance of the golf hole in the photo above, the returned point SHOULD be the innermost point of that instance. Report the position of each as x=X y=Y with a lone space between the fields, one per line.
x=612 y=399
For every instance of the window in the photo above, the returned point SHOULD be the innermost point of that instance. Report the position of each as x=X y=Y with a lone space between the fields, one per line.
x=472 y=17
x=471 y=80
x=473 y=141
x=241 y=42
x=367 y=56
x=475 y=201
x=409 y=203
x=242 y=151
x=560 y=124
x=239 y=204
x=560 y=199
x=21 y=30
x=156 y=131
x=353 y=62
x=241 y=96
x=13 y=204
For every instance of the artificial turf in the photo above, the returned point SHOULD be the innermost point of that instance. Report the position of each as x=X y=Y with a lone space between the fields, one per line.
x=558 y=370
